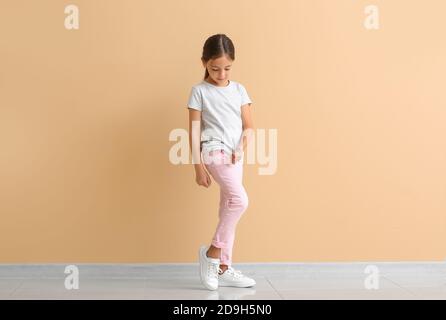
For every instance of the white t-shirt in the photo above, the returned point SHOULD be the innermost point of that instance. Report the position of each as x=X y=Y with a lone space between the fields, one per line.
x=220 y=114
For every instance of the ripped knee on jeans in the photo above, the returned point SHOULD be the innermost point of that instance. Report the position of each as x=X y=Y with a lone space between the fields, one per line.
x=238 y=202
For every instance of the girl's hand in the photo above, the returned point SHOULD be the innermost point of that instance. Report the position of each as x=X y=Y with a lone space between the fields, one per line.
x=202 y=178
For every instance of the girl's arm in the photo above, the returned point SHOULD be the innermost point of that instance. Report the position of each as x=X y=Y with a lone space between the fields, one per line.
x=202 y=177
x=195 y=136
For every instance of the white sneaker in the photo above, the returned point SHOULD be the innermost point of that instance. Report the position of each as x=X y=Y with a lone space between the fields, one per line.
x=234 y=278
x=208 y=269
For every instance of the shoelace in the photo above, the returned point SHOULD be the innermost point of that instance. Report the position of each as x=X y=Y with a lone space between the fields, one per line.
x=213 y=270
x=235 y=273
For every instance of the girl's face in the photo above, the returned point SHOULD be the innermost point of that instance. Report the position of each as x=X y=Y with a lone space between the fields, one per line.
x=219 y=69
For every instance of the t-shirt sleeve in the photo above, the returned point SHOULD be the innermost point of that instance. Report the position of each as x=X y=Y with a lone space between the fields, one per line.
x=195 y=100
x=245 y=97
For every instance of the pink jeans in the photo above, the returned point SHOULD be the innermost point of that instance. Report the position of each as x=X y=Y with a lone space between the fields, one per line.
x=233 y=200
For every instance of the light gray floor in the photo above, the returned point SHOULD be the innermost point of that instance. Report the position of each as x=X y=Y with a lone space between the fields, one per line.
x=402 y=280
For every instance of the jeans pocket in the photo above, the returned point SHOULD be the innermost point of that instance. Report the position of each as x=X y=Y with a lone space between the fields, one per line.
x=215 y=157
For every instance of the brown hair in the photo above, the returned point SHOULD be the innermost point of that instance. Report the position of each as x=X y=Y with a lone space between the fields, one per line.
x=215 y=47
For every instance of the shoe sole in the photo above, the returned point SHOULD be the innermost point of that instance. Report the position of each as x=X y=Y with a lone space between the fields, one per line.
x=201 y=255
x=241 y=285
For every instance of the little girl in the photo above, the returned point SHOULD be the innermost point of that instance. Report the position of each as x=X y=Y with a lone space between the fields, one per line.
x=221 y=107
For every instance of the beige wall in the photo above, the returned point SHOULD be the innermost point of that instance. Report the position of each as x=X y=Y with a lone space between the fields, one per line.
x=85 y=117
